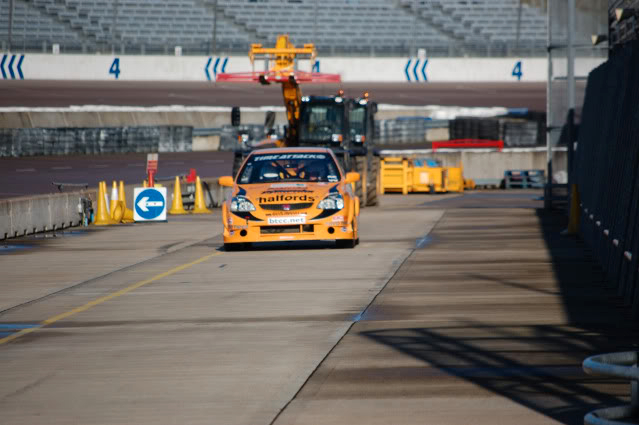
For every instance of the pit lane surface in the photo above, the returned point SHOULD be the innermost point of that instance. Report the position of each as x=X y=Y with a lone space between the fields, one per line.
x=36 y=93
x=452 y=310
x=155 y=324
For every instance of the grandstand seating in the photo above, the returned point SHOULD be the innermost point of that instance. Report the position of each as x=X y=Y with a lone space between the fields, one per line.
x=379 y=27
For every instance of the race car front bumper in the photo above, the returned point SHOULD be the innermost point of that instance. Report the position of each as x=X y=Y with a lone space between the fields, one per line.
x=263 y=232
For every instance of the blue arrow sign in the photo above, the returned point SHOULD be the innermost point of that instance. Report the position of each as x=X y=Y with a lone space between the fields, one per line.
x=10 y=68
x=13 y=76
x=4 y=59
x=406 y=69
x=415 y=70
x=150 y=204
x=216 y=64
x=19 y=67
x=424 y=69
x=206 y=69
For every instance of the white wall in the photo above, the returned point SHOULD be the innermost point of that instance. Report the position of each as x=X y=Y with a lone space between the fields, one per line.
x=191 y=68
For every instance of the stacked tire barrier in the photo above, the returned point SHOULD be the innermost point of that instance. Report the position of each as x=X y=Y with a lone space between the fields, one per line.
x=606 y=169
x=19 y=142
x=406 y=130
x=514 y=132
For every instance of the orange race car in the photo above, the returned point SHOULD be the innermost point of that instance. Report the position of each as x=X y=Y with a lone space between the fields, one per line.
x=290 y=194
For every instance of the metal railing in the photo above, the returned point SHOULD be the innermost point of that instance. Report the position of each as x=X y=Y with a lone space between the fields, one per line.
x=618 y=365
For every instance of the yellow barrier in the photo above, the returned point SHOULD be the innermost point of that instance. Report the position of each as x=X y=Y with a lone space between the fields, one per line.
x=455 y=181
x=408 y=175
x=394 y=175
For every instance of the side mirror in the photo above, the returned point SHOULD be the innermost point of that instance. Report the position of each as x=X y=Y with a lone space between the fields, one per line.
x=226 y=181
x=352 y=177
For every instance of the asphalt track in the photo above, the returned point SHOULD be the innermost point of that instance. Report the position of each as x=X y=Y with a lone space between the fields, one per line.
x=31 y=93
x=35 y=175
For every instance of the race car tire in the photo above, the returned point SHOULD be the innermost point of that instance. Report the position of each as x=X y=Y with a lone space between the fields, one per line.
x=345 y=243
x=372 y=183
x=229 y=247
x=361 y=187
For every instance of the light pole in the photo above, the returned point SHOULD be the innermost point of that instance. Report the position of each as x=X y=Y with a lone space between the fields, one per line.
x=9 y=35
x=214 y=47
x=315 y=23
x=113 y=25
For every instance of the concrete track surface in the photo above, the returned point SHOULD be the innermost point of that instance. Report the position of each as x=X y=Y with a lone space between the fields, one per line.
x=34 y=93
x=452 y=310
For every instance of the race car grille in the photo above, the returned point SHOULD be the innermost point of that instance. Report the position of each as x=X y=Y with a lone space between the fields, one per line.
x=290 y=207
x=279 y=229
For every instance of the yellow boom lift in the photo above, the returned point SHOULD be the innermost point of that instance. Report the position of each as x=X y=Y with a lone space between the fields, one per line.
x=312 y=120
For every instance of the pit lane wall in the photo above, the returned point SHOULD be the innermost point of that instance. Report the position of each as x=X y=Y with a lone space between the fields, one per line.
x=199 y=68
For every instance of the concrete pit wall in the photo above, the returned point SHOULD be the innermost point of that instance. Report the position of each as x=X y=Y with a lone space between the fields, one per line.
x=488 y=167
x=483 y=166
x=131 y=117
x=351 y=69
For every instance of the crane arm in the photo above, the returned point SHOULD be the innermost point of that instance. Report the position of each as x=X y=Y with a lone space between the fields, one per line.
x=292 y=94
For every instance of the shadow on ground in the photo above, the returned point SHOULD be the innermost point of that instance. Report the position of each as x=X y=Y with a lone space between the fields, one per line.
x=535 y=364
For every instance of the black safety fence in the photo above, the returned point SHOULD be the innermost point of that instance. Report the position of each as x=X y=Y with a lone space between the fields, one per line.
x=606 y=169
x=19 y=142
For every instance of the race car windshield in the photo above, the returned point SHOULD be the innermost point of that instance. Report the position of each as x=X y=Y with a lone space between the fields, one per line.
x=320 y=122
x=289 y=167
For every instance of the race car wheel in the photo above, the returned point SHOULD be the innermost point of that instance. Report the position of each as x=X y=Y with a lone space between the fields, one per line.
x=372 y=182
x=345 y=243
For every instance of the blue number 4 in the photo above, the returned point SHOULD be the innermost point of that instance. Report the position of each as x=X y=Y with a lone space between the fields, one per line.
x=115 y=68
x=517 y=71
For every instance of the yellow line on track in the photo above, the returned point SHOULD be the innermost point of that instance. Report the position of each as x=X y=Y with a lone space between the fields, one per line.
x=105 y=298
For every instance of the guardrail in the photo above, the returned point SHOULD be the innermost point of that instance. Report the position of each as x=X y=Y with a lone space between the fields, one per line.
x=617 y=365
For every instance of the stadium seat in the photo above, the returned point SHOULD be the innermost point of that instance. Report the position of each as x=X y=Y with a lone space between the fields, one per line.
x=346 y=26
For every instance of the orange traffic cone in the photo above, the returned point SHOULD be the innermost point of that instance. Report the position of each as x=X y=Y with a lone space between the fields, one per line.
x=199 y=206
x=117 y=213
x=102 y=216
x=127 y=216
x=113 y=202
x=177 y=207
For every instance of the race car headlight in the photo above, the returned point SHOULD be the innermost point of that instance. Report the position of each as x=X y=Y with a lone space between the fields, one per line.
x=241 y=204
x=331 y=202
